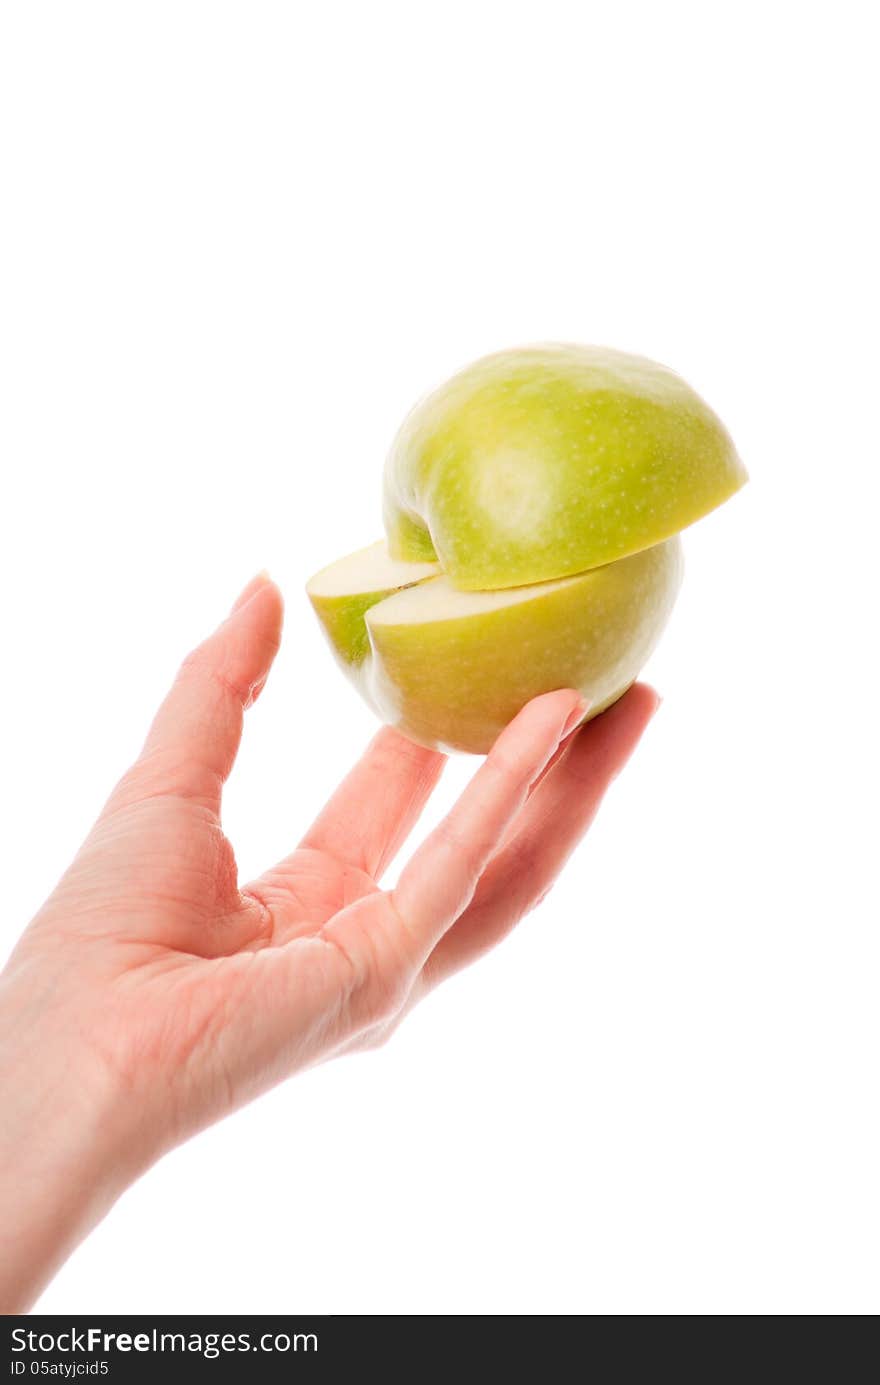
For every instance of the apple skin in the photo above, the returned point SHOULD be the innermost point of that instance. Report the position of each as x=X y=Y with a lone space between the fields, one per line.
x=453 y=683
x=344 y=622
x=541 y=462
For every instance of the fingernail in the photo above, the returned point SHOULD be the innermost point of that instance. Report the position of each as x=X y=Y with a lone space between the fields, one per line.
x=575 y=718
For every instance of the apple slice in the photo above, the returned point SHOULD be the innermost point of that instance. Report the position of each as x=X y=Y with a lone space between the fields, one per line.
x=450 y=668
x=543 y=462
x=342 y=593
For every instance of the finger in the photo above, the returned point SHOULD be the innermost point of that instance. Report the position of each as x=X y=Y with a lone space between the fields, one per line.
x=376 y=806
x=250 y=590
x=545 y=833
x=195 y=736
x=439 y=881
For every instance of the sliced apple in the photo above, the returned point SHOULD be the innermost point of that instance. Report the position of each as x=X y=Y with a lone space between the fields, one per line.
x=532 y=510
x=450 y=668
x=542 y=462
x=342 y=593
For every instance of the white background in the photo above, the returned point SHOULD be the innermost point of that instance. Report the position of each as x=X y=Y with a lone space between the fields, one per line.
x=238 y=241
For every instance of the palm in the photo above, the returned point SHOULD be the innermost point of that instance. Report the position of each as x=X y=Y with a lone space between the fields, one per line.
x=184 y=944
x=309 y=889
x=204 y=992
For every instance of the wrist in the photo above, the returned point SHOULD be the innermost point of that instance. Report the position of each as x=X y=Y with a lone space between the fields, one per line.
x=64 y=1159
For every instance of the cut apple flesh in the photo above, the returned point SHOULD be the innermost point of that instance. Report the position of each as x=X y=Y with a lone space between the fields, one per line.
x=342 y=593
x=450 y=668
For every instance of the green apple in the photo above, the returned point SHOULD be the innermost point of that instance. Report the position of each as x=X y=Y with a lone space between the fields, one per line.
x=449 y=668
x=342 y=593
x=542 y=462
x=532 y=510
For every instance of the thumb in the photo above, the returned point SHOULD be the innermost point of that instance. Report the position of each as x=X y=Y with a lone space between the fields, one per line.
x=194 y=739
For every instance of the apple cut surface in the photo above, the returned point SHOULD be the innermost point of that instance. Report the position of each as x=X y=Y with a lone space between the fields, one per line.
x=450 y=668
x=342 y=593
x=542 y=462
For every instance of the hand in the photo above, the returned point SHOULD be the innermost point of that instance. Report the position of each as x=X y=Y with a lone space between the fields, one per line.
x=152 y=994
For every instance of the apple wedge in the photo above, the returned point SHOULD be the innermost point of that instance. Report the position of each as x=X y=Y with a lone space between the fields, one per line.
x=450 y=668
x=543 y=462
x=342 y=593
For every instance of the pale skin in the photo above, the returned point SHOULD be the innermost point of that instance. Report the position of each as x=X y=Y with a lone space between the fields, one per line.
x=153 y=994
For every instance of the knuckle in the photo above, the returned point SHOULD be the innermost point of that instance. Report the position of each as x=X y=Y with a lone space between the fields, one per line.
x=379 y=973
x=195 y=662
x=523 y=855
x=505 y=766
x=202 y=665
x=471 y=852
